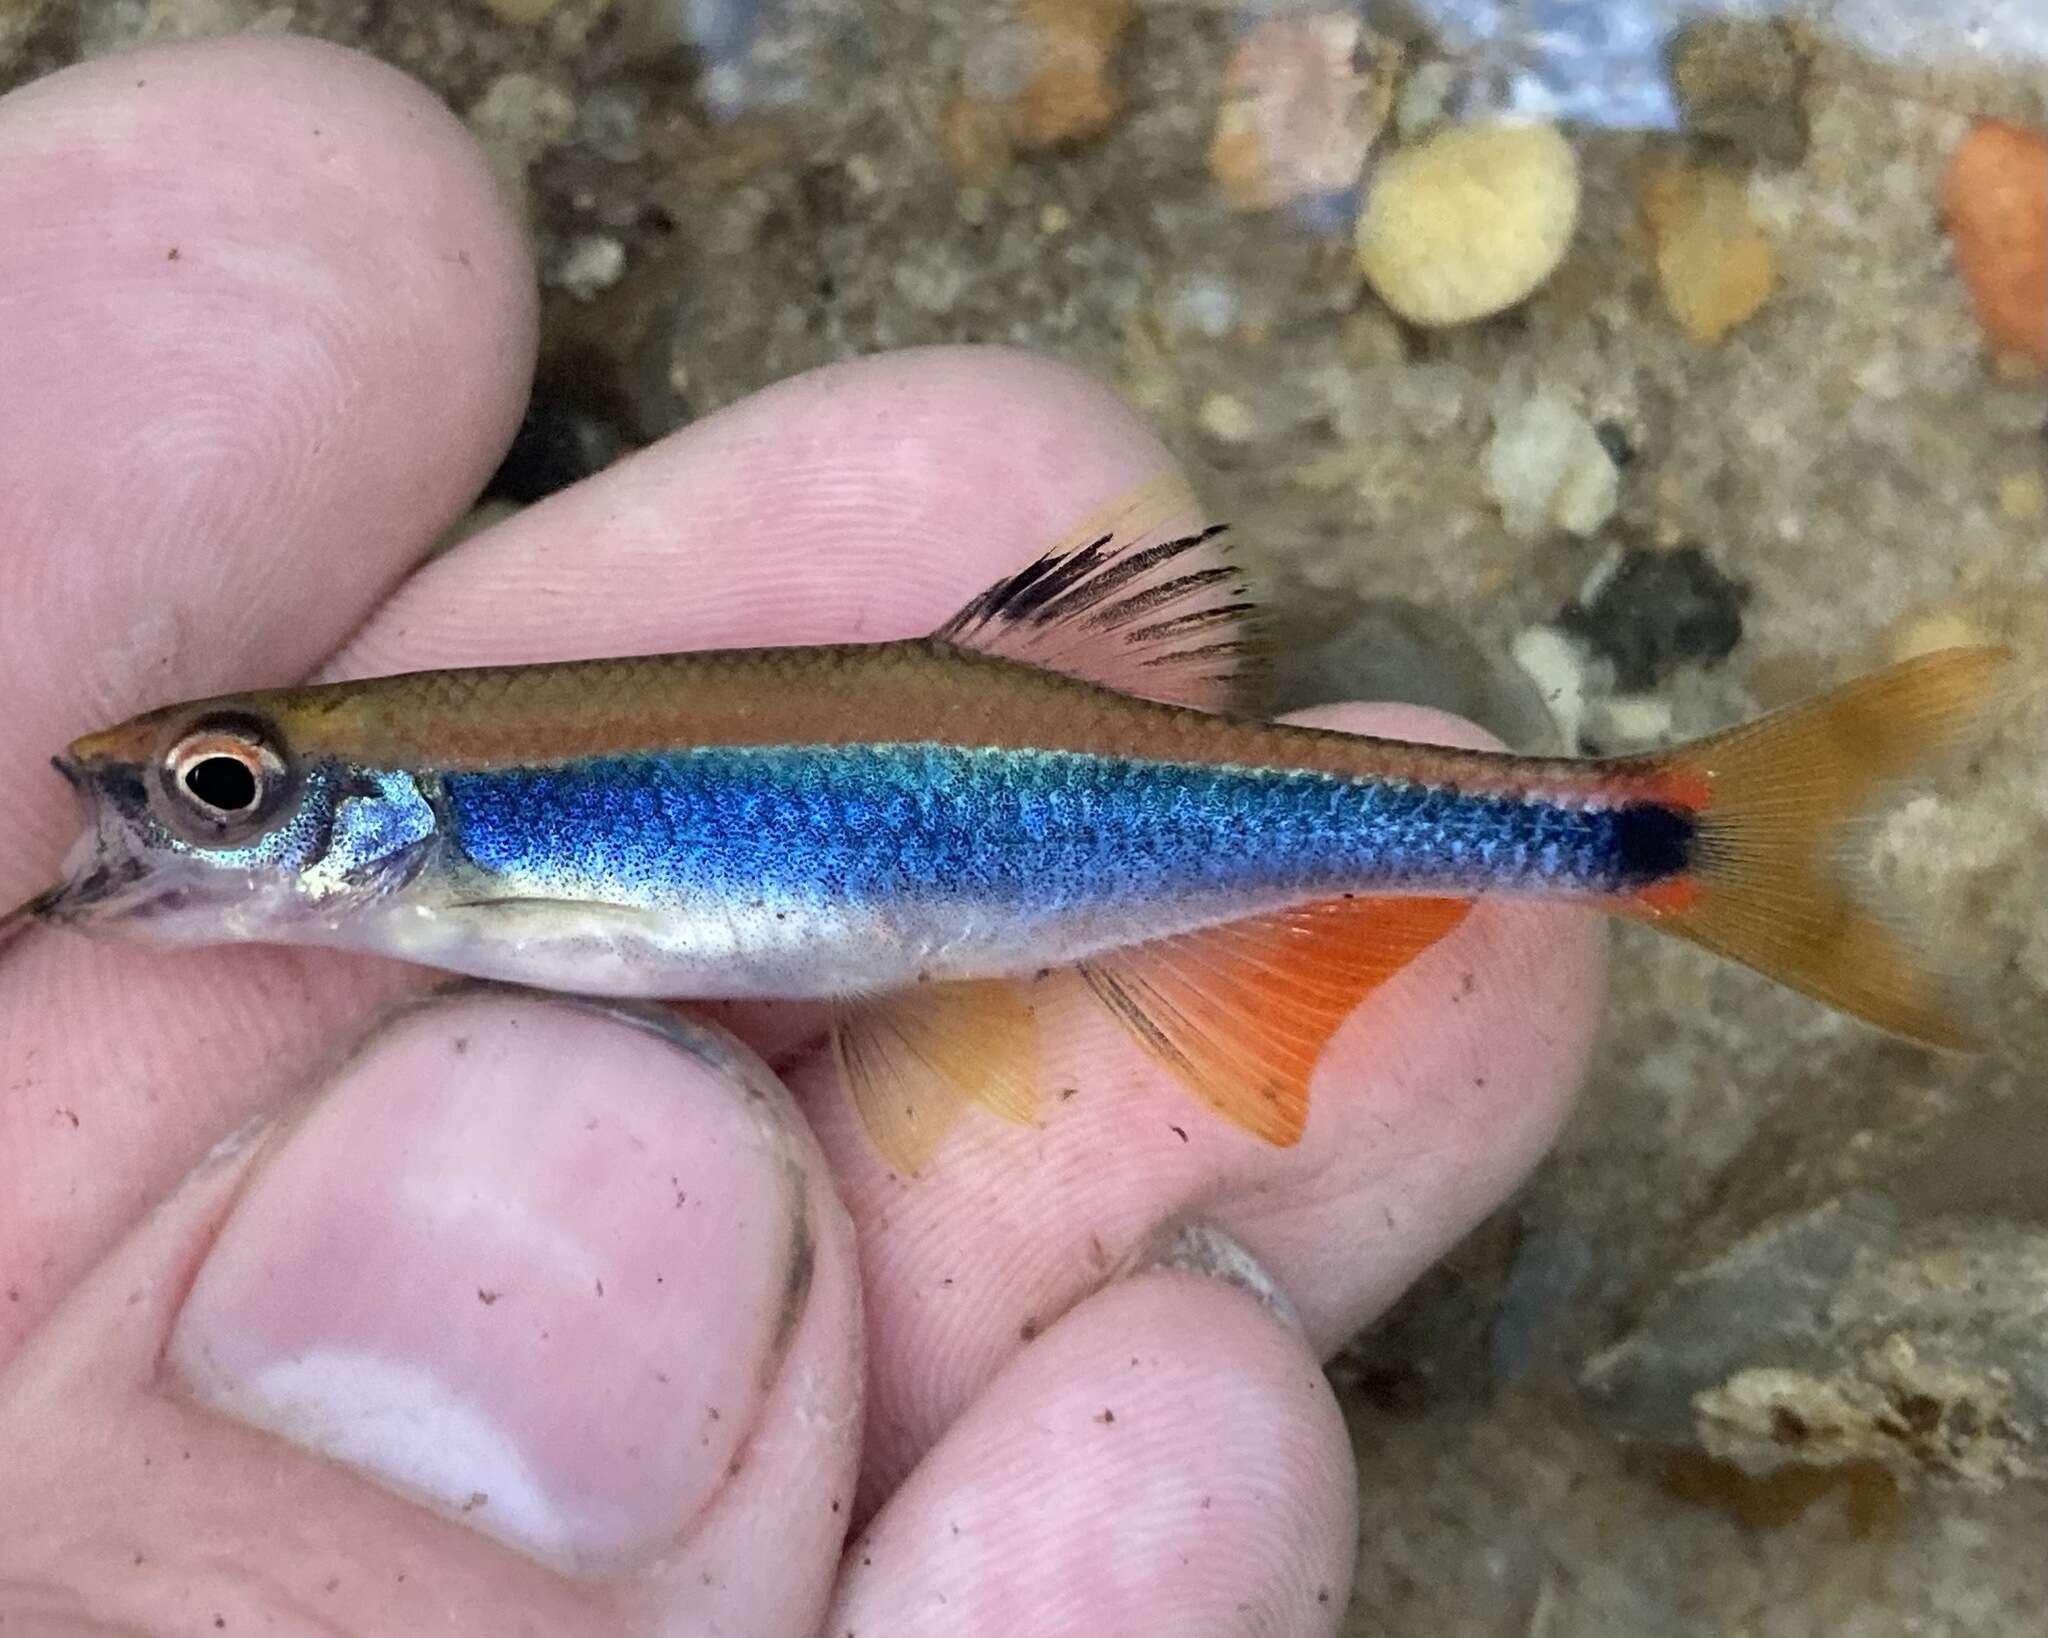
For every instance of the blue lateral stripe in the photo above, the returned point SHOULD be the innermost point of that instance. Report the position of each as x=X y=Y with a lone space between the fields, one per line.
x=1043 y=830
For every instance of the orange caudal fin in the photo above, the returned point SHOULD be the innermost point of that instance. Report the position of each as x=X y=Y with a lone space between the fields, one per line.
x=1777 y=804
x=1240 y=1013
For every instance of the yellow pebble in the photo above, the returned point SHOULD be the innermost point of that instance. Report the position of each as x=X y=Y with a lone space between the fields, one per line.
x=1713 y=261
x=2022 y=498
x=1468 y=221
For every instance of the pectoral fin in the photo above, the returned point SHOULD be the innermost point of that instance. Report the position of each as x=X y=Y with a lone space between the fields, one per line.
x=913 y=1061
x=1241 y=1013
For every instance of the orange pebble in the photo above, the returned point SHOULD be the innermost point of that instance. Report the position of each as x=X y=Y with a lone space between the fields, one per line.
x=1996 y=202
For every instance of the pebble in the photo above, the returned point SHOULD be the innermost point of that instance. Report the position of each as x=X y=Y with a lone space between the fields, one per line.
x=1304 y=98
x=560 y=442
x=2022 y=498
x=1995 y=200
x=1469 y=221
x=1557 y=666
x=593 y=264
x=975 y=139
x=1227 y=418
x=1714 y=264
x=517 y=119
x=1048 y=74
x=1656 y=611
x=1930 y=631
x=1546 y=467
x=1738 y=81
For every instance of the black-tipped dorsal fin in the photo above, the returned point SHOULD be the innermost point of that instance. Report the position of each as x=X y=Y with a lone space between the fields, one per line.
x=1139 y=598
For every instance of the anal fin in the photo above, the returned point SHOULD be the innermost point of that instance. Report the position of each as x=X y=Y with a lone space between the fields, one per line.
x=913 y=1061
x=1241 y=1013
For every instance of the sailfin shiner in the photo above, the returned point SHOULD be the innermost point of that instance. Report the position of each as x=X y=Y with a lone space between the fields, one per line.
x=914 y=829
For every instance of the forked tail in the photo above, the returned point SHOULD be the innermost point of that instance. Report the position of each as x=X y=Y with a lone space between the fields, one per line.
x=1776 y=803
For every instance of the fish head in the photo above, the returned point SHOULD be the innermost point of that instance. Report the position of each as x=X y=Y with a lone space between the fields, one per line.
x=206 y=824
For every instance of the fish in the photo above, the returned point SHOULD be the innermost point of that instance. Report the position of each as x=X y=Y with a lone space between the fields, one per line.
x=918 y=832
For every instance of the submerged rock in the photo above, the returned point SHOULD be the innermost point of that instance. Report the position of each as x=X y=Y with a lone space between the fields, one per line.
x=1995 y=198
x=1548 y=468
x=1657 y=611
x=1468 y=221
x=1714 y=264
x=1304 y=98
x=1739 y=81
x=1842 y=1334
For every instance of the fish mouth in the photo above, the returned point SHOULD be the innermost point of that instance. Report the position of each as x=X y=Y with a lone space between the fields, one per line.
x=26 y=914
x=107 y=885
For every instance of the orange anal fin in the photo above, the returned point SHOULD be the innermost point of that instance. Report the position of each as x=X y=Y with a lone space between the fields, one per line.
x=1241 y=1013
x=913 y=1061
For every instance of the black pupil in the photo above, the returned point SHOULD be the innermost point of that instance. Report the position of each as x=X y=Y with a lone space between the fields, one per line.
x=224 y=783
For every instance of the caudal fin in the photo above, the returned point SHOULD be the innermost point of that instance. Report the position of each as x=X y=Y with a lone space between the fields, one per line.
x=1776 y=802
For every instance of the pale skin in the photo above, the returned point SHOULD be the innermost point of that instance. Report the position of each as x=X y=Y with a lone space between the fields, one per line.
x=548 y=1242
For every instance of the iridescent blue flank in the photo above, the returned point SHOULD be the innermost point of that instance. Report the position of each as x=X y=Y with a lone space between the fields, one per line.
x=1037 y=832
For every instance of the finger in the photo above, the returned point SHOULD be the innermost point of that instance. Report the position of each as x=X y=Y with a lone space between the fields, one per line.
x=869 y=501
x=547 y=1316
x=1168 y=1459
x=860 y=502
x=267 y=328
x=214 y=463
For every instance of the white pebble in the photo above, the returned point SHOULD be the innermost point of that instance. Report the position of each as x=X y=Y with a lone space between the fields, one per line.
x=1551 y=660
x=1546 y=467
x=594 y=263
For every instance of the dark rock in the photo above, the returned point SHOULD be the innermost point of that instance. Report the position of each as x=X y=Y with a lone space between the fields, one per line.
x=1738 y=81
x=1658 y=611
x=1843 y=1334
x=559 y=443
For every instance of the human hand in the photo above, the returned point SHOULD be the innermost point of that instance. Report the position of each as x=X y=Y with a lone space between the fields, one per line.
x=337 y=1301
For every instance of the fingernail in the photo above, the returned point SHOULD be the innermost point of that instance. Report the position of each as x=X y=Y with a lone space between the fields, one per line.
x=1202 y=1248
x=529 y=1263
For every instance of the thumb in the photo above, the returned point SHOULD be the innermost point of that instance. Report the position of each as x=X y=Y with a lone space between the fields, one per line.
x=541 y=1313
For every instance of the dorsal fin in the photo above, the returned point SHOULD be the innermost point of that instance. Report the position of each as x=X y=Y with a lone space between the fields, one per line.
x=1139 y=598
x=1240 y=1013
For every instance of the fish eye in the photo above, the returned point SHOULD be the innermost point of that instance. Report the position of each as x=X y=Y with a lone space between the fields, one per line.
x=227 y=784
x=223 y=781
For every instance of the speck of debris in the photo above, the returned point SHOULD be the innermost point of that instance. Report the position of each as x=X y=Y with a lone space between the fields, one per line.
x=1028 y=1331
x=1657 y=611
x=1107 y=1416
x=1180 y=1132
x=1067 y=1092
x=487 y=1297
x=477 y=1498
x=600 y=1288
x=171 y=255
x=461 y=1044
